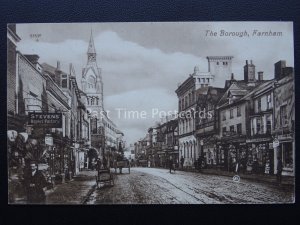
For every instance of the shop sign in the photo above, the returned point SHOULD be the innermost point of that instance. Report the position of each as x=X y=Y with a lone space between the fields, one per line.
x=285 y=136
x=49 y=140
x=52 y=120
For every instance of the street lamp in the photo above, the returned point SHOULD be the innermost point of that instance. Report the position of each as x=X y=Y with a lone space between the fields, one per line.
x=201 y=145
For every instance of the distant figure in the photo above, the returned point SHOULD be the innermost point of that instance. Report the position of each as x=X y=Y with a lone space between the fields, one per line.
x=279 y=170
x=171 y=164
x=98 y=165
x=199 y=163
x=181 y=162
x=104 y=163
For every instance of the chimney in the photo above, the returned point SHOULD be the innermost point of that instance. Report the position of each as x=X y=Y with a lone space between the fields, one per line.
x=260 y=75
x=251 y=61
x=58 y=66
x=246 y=62
x=278 y=70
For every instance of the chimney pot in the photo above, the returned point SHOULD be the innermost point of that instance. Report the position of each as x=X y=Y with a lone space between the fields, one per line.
x=260 y=75
x=246 y=62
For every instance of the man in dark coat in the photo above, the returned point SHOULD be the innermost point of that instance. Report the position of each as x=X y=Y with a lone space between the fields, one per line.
x=279 y=170
x=171 y=164
x=182 y=162
x=104 y=163
x=36 y=186
x=199 y=163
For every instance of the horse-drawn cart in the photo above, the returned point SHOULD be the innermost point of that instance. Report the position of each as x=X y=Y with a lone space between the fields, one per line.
x=124 y=163
x=104 y=177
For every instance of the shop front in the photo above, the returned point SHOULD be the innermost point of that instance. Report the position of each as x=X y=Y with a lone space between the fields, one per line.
x=286 y=151
x=231 y=153
x=260 y=156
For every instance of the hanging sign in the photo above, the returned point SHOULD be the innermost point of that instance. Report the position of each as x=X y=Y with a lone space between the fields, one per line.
x=275 y=143
x=51 y=120
x=49 y=140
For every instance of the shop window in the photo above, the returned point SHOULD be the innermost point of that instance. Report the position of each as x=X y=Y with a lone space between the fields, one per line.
x=287 y=153
x=283 y=116
x=239 y=128
x=231 y=113
x=238 y=111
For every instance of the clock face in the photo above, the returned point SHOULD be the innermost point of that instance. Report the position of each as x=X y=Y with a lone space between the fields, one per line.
x=91 y=57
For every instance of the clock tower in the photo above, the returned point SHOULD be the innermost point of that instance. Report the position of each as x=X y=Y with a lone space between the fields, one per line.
x=91 y=81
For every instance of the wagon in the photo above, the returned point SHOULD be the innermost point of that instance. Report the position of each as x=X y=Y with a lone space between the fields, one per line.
x=122 y=164
x=104 y=177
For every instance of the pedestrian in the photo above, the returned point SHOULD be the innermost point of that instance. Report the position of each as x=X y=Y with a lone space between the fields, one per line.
x=171 y=164
x=36 y=186
x=279 y=171
x=98 y=165
x=104 y=163
x=199 y=163
x=181 y=162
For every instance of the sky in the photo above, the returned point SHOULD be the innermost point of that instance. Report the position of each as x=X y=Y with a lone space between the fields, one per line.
x=143 y=63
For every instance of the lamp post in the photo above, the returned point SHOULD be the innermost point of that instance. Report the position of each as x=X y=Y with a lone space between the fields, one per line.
x=201 y=147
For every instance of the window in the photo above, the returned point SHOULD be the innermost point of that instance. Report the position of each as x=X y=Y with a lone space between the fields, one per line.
x=258 y=126
x=231 y=113
x=91 y=82
x=207 y=80
x=287 y=153
x=224 y=63
x=223 y=115
x=269 y=124
x=258 y=105
x=231 y=128
x=64 y=81
x=239 y=128
x=238 y=111
x=203 y=80
x=283 y=116
x=92 y=101
x=269 y=101
x=224 y=130
x=217 y=63
x=97 y=100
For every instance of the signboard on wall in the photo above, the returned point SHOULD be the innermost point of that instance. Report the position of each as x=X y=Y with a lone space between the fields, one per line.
x=50 y=120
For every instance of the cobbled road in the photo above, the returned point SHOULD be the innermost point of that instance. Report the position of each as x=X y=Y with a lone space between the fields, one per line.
x=158 y=186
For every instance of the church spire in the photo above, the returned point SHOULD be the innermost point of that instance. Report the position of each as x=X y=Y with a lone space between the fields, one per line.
x=91 y=48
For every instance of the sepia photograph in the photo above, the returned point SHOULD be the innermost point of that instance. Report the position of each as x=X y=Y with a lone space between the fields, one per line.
x=150 y=113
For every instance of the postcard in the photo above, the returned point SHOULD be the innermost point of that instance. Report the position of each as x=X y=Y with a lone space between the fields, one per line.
x=151 y=113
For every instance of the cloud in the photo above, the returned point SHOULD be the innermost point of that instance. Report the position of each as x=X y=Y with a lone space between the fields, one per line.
x=142 y=63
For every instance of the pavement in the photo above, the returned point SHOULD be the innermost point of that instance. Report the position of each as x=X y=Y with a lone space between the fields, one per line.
x=75 y=191
x=264 y=178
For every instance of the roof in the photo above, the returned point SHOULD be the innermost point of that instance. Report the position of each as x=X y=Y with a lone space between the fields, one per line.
x=91 y=48
x=239 y=88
